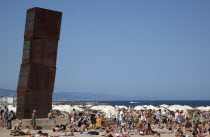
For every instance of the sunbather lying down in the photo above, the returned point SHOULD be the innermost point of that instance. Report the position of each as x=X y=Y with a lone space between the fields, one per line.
x=22 y=132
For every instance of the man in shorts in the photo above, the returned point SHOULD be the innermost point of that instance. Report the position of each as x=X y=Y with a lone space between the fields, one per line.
x=33 y=120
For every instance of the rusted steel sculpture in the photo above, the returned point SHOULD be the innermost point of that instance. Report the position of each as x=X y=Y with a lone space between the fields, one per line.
x=38 y=68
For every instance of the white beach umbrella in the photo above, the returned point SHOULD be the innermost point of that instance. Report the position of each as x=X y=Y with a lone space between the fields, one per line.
x=11 y=107
x=77 y=108
x=162 y=109
x=187 y=107
x=176 y=107
x=113 y=110
x=67 y=108
x=151 y=107
x=88 y=105
x=139 y=108
x=182 y=108
x=58 y=107
x=164 y=106
x=97 y=107
x=117 y=107
x=129 y=109
x=105 y=109
x=108 y=113
x=202 y=108
x=120 y=107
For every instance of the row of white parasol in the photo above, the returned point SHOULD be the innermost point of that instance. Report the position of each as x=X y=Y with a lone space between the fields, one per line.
x=111 y=111
x=164 y=107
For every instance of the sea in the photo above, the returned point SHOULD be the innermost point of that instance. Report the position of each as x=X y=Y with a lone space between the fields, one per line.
x=192 y=103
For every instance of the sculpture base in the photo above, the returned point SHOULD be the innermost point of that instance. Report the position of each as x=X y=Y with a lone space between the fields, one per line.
x=41 y=123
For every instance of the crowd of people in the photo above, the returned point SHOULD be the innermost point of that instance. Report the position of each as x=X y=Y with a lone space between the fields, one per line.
x=6 y=118
x=125 y=123
x=192 y=123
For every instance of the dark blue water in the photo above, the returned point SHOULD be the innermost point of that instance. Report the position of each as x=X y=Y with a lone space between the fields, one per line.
x=192 y=103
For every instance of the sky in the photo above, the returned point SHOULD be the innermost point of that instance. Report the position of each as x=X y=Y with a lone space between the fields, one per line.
x=126 y=47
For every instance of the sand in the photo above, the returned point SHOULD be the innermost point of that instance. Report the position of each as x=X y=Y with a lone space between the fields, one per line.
x=5 y=133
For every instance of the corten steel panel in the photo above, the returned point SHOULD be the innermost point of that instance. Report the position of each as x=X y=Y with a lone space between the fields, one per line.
x=38 y=69
x=42 y=23
x=23 y=77
x=36 y=77
x=41 y=78
x=52 y=74
x=44 y=51
x=21 y=99
x=40 y=51
x=26 y=52
x=39 y=101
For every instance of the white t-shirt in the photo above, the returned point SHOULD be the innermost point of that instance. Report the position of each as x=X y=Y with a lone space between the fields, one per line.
x=121 y=115
x=176 y=116
x=164 y=113
x=143 y=118
x=157 y=114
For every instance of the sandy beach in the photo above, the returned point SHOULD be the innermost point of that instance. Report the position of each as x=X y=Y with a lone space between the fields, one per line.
x=145 y=118
x=6 y=132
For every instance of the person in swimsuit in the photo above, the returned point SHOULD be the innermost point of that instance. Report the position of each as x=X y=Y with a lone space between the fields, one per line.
x=33 y=120
x=109 y=132
x=16 y=127
x=73 y=116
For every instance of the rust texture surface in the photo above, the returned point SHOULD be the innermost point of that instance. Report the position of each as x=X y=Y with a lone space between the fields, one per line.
x=38 y=68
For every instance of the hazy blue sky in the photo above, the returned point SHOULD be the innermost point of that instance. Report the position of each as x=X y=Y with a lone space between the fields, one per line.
x=141 y=47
